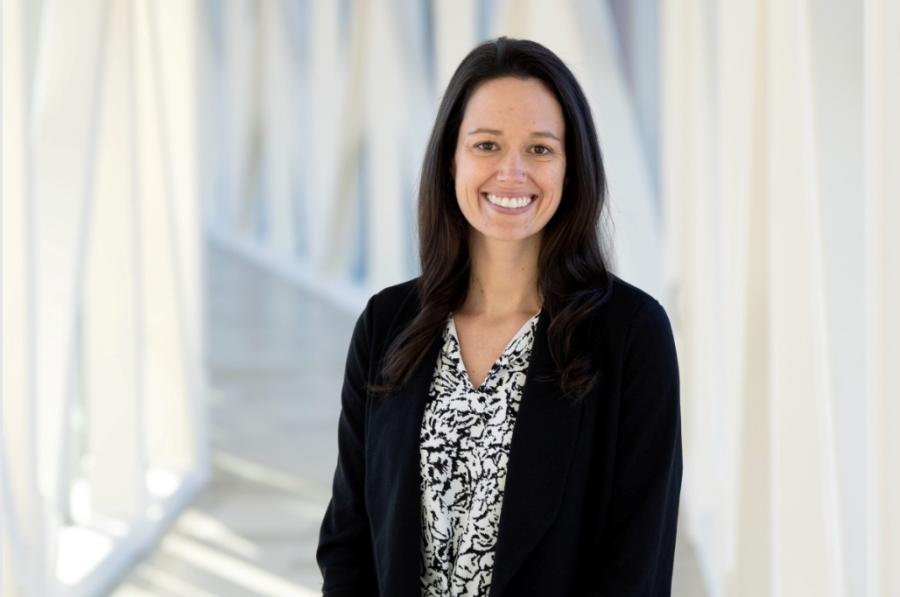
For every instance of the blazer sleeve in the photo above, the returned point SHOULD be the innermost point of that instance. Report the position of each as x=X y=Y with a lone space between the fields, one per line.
x=344 y=553
x=639 y=541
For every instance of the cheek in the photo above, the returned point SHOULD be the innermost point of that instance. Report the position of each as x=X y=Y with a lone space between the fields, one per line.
x=553 y=181
x=466 y=171
x=460 y=193
x=464 y=196
x=561 y=176
x=556 y=181
x=467 y=182
x=551 y=207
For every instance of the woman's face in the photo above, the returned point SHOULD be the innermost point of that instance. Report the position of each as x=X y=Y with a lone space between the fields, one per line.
x=509 y=163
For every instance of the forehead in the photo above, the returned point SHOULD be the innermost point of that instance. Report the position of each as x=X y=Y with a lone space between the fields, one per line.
x=510 y=102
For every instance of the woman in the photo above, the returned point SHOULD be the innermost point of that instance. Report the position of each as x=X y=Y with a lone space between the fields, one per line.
x=510 y=419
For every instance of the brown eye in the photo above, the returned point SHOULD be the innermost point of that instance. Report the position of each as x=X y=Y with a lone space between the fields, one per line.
x=486 y=145
x=542 y=150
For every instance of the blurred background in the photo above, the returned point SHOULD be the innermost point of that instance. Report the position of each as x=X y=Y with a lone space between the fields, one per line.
x=199 y=196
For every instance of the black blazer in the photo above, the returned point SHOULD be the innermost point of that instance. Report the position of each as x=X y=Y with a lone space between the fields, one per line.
x=590 y=505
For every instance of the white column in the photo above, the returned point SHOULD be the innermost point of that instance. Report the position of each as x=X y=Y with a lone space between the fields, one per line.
x=70 y=41
x=279 y=110
x=388 y=78
x=806 y=539
x=112 y=330
x=709 y=217
x=836 y=59
x=176 y=31
x=882 y=178
x=171 y=246
x=235 y=137
x=22 y=548
x=455 y=36
x=743 y=565
x=336 y=119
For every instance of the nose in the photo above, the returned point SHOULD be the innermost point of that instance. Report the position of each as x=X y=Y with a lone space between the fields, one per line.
x=512 y=168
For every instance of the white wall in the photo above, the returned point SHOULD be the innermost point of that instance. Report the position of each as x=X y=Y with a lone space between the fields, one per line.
x=780 y=210
x=102 y=429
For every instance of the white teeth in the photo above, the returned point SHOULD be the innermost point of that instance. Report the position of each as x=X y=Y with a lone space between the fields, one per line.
x=509 y=201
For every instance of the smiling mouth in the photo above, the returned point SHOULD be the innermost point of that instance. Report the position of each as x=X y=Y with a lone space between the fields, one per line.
x=509 y=202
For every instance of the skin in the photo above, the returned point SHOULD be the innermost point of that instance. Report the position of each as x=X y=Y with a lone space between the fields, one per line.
x=511 y=142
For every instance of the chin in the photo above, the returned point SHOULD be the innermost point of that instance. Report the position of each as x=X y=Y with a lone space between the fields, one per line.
x=508 y=236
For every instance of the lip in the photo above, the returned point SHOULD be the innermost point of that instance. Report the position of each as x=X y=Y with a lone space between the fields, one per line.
x=509 y=210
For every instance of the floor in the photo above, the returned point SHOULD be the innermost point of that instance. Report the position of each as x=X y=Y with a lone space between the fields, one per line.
x=275 y=358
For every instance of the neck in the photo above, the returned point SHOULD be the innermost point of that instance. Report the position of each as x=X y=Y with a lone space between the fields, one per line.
x=503 y=277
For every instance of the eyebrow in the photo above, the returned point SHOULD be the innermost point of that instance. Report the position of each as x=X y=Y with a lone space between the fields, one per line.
x=500 y=133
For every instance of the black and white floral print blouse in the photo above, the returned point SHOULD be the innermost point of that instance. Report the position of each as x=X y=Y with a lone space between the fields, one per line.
x=463 y=450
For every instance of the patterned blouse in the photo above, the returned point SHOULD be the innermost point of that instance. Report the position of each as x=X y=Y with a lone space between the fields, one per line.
x=464 y=446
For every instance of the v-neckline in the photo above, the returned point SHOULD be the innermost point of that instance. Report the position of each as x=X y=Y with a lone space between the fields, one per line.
x=461 y=363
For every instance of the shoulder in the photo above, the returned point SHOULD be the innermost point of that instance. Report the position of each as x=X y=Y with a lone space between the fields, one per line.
x=630 y=315
x=397 y=293
x=621 y=299
x=385 y=311
x=389 y=309
x=395 y=301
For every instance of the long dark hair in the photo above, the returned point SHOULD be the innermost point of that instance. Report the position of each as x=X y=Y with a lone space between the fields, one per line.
x=572 y=265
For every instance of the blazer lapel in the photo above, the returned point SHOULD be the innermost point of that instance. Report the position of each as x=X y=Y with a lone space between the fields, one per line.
x=393 y=460
x=543 y=442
